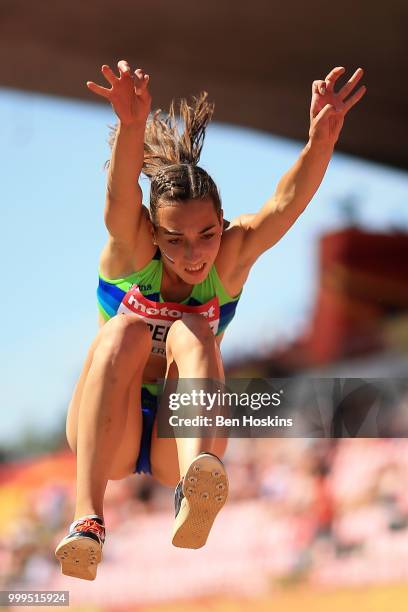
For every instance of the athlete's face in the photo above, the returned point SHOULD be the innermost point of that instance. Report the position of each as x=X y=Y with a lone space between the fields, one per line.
x=189 y=235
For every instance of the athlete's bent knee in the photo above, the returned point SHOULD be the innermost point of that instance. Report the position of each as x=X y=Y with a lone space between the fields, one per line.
x=127 y=332
x=196 y=323
x=126 y=342
x=191 y=330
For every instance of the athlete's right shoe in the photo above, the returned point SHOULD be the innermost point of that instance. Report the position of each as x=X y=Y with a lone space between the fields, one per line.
x=81 y=550
x=198 y=498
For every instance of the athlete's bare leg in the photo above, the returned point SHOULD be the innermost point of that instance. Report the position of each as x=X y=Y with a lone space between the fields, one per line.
x=104 y=423
x=192 y=352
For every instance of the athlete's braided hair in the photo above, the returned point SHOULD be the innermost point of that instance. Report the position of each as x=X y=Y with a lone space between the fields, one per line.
x=170 y=159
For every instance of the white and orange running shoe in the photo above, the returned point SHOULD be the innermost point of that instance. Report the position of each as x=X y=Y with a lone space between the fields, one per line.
x=81 y=550
x=198 y=498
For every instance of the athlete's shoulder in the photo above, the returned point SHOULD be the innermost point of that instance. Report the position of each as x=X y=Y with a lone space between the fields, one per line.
x=230 y=269
x=119 y=258
x=232 y=237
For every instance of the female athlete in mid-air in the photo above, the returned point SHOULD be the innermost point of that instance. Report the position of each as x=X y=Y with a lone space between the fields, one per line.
x=170 y=278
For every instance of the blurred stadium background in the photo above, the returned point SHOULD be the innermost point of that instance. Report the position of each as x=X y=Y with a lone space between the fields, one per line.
x=311 y=523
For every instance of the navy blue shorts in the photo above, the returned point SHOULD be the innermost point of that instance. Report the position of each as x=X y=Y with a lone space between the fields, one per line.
x=149 y=409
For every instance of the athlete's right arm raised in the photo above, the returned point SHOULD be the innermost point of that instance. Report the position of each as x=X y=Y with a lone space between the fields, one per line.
x=131 y=102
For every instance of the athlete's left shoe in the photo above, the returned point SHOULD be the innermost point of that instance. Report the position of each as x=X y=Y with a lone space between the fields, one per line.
x=80 y=551
x=198 y=498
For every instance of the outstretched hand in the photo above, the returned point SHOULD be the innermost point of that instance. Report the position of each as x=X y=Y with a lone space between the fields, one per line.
x=328 y=108
x=129 y=94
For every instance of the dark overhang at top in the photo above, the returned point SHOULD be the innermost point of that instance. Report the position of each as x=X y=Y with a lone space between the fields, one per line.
x=256 y=58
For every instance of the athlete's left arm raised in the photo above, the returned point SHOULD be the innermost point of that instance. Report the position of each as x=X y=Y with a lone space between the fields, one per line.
x=298 y=186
